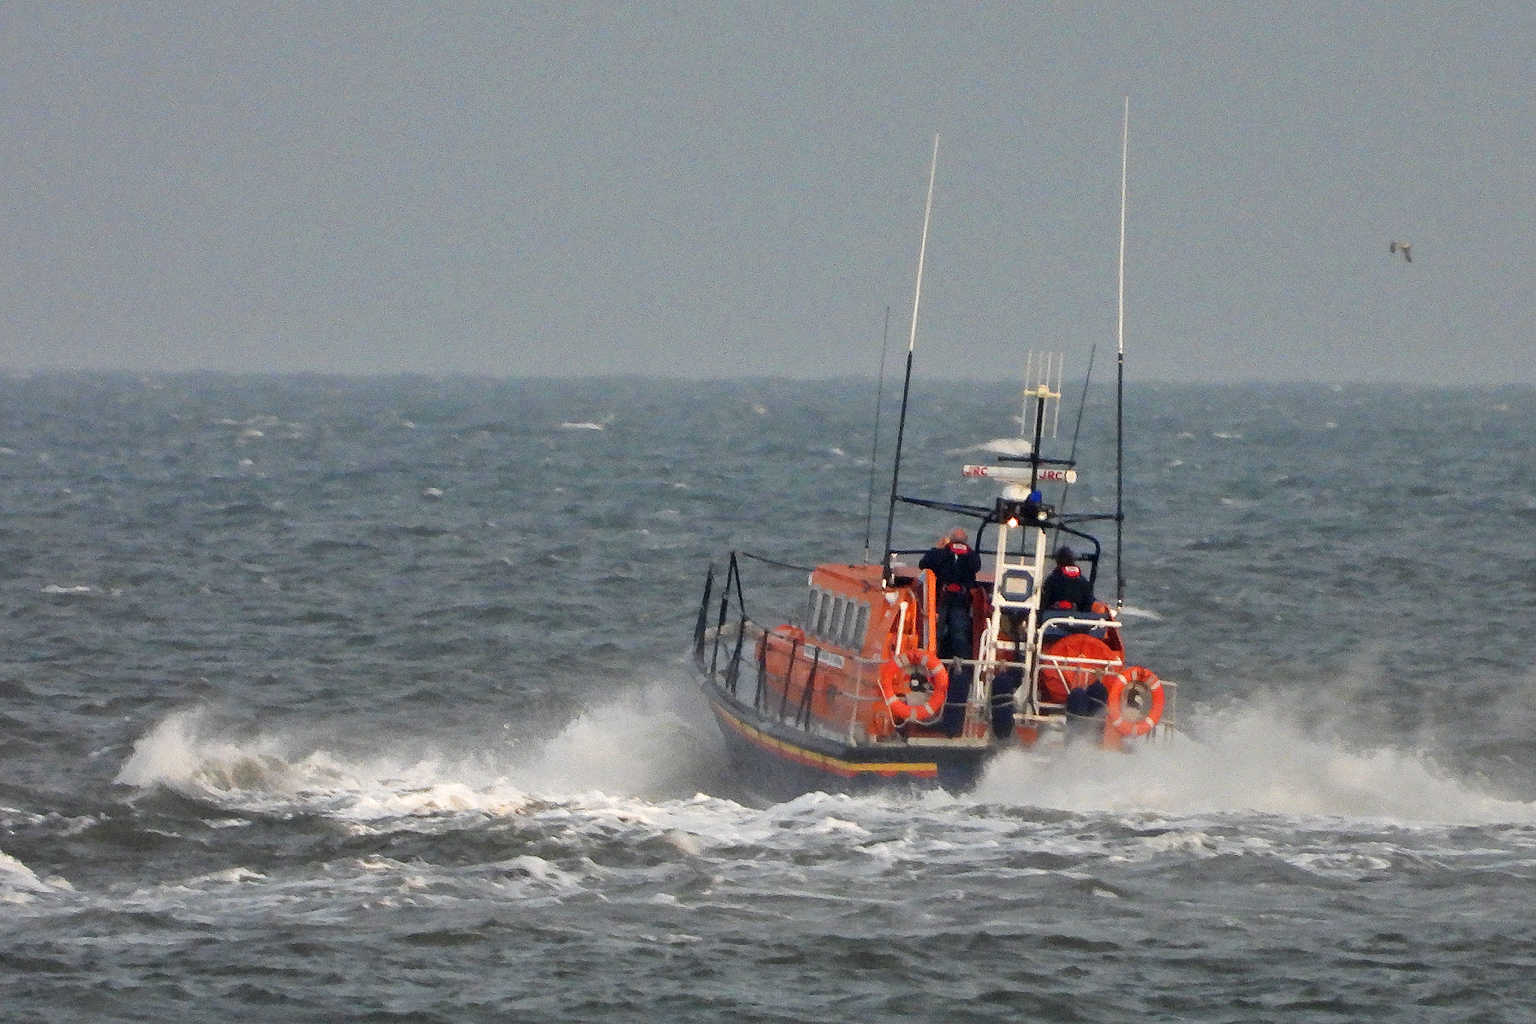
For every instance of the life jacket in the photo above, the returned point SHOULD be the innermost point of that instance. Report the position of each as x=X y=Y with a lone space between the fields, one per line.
x=957 y=551
x=1070 y=578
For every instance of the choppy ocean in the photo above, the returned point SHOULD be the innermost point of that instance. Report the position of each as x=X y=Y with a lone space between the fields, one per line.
x=332 y=699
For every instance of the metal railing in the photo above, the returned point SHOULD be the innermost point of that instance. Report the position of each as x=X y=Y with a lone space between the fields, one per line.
x=720 y=652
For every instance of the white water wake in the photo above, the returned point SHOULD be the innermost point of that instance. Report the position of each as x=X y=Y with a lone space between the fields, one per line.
x=1253 y=757
x=20 y=884
x=271 y=772
x=654 y=743
x=650 y=743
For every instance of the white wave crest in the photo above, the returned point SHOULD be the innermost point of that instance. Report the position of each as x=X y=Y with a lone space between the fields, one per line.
x=649 y=742
x=1253 y=757
x=997 y=446
x=20 y=884
x=188 y=753
x=652 y=741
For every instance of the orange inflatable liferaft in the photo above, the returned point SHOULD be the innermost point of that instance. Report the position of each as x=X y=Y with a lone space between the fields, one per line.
x=1057 y=680
x=909 y=676
x=1135 y=701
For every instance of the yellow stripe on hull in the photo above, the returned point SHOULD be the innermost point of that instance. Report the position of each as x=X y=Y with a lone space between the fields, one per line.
x=824 y=762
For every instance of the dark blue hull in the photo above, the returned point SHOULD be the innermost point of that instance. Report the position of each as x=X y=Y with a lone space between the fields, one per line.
x=781 y=762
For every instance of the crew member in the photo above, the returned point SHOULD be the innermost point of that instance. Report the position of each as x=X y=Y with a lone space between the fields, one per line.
x=1066 y=589
x=954 y=564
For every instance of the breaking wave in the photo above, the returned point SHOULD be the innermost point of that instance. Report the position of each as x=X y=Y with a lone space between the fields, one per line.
x=648 y=743
x=1252 y=757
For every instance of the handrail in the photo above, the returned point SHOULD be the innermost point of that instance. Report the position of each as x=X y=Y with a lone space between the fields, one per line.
x=733 y=673
x=774 y=562
x=722 y=609
x=803 y=712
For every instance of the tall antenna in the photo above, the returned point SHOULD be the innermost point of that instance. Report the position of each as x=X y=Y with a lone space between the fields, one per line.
x=1125 y=151
x=874 y=450
x=906 y=385
x=1042 y=386
x=1082 y=403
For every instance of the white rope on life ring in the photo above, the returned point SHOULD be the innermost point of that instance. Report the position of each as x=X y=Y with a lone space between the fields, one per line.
x=1135 y=701
x=908 y=674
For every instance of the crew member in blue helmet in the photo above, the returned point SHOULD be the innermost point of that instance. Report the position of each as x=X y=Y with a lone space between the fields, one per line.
x=954 y=564
x=1066 y=589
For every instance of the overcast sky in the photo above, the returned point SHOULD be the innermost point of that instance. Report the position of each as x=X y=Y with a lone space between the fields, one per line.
x=722 y=189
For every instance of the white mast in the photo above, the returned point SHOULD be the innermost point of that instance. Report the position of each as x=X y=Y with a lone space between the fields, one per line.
x=906 y=386
x=922 y=249
x=1125 y=151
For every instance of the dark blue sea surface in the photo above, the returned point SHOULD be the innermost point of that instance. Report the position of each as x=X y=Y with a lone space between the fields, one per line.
x=329 y=699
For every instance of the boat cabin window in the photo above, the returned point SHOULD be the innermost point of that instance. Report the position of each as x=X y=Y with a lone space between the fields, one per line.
x=836 y=619
x=853 y=635
x=823 y=616
x=835 y=626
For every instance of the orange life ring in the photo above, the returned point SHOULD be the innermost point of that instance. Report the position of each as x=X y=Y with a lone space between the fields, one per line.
x=899 y=683
x=1135 y=701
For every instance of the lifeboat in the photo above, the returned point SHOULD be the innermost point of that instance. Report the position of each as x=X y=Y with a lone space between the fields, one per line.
x=856 y=689
x=918 y=669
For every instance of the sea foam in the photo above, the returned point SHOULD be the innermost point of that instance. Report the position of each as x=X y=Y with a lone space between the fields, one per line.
x=1254 y=756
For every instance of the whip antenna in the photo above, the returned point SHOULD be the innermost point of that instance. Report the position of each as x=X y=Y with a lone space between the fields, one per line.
x=906 y=384
x=874 y=450
x=1125 y=150
x=1082 y=404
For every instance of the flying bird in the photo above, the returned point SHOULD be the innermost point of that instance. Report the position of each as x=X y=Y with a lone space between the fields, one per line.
x=1394 y=248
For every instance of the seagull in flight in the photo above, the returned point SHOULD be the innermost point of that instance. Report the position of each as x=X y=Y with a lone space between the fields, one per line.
x=1394 y=248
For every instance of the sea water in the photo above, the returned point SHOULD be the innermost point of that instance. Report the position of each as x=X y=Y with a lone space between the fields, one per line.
x=331 y=699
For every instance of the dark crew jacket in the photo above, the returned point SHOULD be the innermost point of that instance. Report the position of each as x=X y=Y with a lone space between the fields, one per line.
x=955 y=567
x=1066 y=588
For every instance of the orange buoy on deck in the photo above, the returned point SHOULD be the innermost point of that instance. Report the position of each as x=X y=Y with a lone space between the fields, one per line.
x=1057 y=681
x=1135 y=701
x=912 y=674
